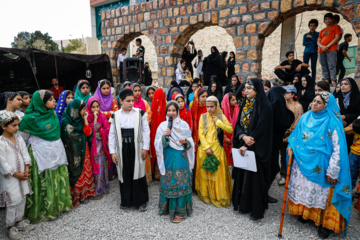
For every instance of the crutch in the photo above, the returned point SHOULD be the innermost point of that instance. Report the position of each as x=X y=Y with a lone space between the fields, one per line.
x=285 y=195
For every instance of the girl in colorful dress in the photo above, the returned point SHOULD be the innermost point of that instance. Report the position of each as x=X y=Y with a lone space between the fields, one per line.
x=198 y=107
x=14 y=175
x=99 y=152
x=65 y=98
x=150 y=95
x=175 y=156
x=185 y=114
x=158 y=108
x=143 y=105
x=108 y=103
x=49 y=178
x=74 y=135
x=83 y=89
x=215 y=187
x=231 y=111
x=126 y=85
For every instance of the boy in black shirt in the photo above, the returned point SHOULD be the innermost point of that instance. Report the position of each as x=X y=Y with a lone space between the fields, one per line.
x=291 y=67
x=342 y=53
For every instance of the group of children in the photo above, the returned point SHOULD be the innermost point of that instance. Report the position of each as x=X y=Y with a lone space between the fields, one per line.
x=323 y=45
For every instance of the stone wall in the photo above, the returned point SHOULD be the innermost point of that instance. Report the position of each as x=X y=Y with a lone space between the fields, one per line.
x=271 y=49
x=170 y=24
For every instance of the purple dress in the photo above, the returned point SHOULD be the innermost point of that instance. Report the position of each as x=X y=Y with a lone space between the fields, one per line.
x=101 y=179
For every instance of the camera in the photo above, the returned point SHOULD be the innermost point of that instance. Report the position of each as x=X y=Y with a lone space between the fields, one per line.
x=191 y=42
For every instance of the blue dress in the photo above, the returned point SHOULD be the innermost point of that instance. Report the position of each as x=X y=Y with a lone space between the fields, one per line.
x=176 y=184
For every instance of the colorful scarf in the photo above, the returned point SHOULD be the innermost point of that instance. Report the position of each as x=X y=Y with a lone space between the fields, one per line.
x=225 y=104
x=245 y=114
x=71 y=129
x=103 y=130
x=79 y=94
x=311 y=142
x=61 y=105
x=185 y=114
x=139 y=103
x=105 y=101
x=39 y=120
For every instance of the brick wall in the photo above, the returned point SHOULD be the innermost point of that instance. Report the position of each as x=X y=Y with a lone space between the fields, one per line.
x=170 y=23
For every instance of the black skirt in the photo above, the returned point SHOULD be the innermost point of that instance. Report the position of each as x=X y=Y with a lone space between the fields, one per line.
x=133 y=192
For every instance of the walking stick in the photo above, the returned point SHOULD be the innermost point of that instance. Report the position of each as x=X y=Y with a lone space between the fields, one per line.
x=285 y=195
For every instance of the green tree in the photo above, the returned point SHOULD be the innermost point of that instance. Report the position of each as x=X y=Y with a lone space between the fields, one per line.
x=75 y=46
x=36 y=39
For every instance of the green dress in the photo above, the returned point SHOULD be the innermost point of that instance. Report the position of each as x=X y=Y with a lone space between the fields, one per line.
x=51 y=194
x=176 y=184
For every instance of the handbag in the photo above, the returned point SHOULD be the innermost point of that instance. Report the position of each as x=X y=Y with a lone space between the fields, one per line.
x=211 y=164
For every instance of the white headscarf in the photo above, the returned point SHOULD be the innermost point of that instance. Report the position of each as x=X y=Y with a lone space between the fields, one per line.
x=180 y=129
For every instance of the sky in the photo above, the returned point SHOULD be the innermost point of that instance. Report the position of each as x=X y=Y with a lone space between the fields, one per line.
x=62 y=19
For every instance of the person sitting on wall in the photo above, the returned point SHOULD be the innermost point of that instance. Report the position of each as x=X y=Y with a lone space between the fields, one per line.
x=56 y=89
x=288 y=68
x=181 y=77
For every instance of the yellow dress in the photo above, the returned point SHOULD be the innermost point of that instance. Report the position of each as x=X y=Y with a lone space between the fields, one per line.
x=215 y=188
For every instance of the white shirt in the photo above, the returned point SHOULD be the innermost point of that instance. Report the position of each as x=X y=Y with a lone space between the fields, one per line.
x=179 y=76
x=127 y=122
x=120 y=59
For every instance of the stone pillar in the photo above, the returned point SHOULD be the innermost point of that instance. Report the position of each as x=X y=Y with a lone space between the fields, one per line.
x=287 y=37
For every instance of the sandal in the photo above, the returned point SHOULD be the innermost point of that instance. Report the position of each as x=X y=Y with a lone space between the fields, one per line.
x=177 y=219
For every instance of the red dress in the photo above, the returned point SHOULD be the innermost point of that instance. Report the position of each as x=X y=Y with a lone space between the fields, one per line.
x=85 y=186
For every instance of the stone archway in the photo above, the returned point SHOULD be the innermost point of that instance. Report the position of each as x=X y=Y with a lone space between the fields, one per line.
x=248 y=22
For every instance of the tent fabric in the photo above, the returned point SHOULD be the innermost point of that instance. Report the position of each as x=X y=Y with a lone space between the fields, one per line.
x=45 y=65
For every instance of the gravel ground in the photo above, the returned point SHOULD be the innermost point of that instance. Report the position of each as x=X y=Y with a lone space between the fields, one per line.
x=103 y=219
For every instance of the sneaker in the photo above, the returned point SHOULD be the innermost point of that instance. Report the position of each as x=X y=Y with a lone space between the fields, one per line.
x=24 y=225
x=281 y=181
x=86 y=201
x=123 y=207
x=143 y=208
x=14 y=233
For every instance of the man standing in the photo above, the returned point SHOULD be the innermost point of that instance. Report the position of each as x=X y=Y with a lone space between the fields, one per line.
x=56 y=89
x=120 y=63
x=342 y=53
x=310 y=44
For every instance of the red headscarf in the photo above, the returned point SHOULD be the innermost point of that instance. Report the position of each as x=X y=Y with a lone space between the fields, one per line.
x=139 y=103
x=104 y=131
x=232 y=118
x=197 y=109
x=158 y=108
x=184 y=113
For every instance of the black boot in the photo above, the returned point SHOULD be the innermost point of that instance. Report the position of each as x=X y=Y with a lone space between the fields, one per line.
x=272 y=200
x=302 y=220
x=323 y=233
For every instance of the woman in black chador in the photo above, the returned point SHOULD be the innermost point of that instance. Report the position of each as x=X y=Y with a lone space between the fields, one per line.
x=282 y=120
x=253 y=131
x=212 y=65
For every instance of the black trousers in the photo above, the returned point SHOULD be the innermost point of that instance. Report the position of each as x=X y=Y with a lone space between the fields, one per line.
x=283 y=169
x=133 y=192
x=289 y=77
x=340 y=68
